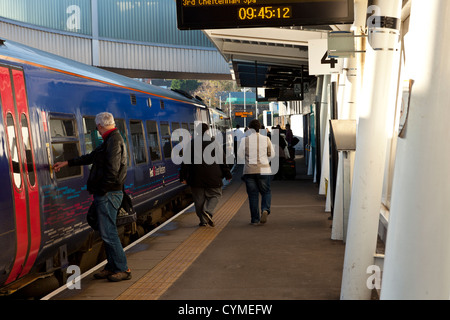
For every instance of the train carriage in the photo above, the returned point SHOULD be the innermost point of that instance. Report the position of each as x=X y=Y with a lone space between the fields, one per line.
x=48 y=108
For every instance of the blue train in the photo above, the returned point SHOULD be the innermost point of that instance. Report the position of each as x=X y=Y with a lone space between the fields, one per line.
x=48 y=105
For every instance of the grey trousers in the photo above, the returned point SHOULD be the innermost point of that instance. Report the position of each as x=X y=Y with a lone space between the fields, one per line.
x=205 y=200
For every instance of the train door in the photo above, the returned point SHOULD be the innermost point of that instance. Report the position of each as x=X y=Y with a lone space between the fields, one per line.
x=166 y=143
x=203 y=116
x=22 y=170
x=140 y=156
x=153 y=137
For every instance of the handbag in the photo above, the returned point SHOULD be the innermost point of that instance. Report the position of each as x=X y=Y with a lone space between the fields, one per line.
x=125 y=214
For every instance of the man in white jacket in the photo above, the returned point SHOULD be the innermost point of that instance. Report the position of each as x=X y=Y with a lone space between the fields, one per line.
x=257 y=151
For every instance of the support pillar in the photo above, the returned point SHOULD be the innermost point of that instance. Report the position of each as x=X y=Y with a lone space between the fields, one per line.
x=324 y=149
x=95 y=34
x=417 y=261
x=353 y=71
x=372 y=134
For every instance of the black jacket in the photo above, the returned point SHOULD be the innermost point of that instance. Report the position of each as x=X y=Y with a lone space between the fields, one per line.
x=204 y=175
x=109 y=165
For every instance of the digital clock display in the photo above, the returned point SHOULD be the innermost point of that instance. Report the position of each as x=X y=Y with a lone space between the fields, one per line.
x=269 y=12
x=217 y=14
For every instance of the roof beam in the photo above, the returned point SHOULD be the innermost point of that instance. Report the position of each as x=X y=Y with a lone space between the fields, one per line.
x=271 y=35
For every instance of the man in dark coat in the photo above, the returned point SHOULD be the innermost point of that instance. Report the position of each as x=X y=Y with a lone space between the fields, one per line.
x=205 y=177
x=105 y=183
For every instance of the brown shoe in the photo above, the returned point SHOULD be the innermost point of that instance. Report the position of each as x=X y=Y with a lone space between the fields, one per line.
x=264 y=215
x=103 y=274
x=119 y=276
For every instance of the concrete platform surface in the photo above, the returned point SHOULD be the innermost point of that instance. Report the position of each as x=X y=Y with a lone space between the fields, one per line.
x=291 y=257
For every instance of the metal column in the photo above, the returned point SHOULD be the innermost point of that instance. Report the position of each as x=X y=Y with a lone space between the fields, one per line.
x=95 y=33
x=373 y=108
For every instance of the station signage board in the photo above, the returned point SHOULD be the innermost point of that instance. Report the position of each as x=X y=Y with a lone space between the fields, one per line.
x=320 y=63
x=243 y=114
x=219 y=14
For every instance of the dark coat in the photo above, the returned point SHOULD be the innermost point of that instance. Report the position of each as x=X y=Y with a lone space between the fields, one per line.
x=109 y=165
x=204 y=175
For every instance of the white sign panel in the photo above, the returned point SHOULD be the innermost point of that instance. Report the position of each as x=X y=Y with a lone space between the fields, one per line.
x=319 y=62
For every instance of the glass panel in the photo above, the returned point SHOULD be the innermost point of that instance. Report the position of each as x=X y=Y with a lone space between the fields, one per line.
x=92 y=138
x=138 y=142
x=12 y=139
x=165 y=137
x=191 y=129
x=60 y=128
x=175 y=126
x=64 y=147
x=120 y=124
x=28 y=154
x=63 y=152
x=153 y=140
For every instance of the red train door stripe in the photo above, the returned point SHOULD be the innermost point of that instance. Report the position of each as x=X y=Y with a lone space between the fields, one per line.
x=23 y=171
x=16 y=174
x=29 y=169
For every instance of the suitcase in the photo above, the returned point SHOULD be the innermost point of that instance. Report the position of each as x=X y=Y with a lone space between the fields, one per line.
x=288 y=169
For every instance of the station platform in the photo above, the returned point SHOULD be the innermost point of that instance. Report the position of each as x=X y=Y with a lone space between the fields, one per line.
x=291 y=257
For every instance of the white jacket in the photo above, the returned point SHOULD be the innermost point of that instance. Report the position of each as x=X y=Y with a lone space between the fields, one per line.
x=257 y=151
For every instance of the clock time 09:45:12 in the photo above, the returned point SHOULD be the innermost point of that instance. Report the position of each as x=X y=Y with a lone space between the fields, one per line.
x=269 y=13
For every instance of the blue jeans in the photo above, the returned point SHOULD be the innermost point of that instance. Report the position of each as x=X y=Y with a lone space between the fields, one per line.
x=256 y=184
x=107 y=206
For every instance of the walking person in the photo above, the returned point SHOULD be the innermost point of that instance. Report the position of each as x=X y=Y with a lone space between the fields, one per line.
x=257 y=150
x=205 y=177
x=237 y=137
x=106 y=180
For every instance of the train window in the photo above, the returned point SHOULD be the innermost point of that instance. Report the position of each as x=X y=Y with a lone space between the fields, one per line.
x=120 y=125
x=138 y=142
x=153 y=140
x=28 y=153
x=175 y=126
x=14 y=154
x=63 y=152
x=185 y=126
x=202 y=115
x=65 y=144
x=133 y=99
x=165 y=138
x=92 y=138
x=62 y=128
x=191 y=129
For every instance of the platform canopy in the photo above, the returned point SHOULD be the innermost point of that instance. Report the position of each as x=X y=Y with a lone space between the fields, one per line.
x=267 y=57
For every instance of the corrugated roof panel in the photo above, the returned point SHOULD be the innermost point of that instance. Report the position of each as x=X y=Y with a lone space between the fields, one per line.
x=63 y=15
x=138 y=35
x=134 y=56
x=152 y=21
x=72 y=47
x=146 y=21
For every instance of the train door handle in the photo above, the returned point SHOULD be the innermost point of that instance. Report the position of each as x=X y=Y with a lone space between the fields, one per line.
x=50 y=162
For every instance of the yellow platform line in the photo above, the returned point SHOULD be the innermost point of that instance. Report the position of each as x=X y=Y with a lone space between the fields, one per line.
x=153 y=284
